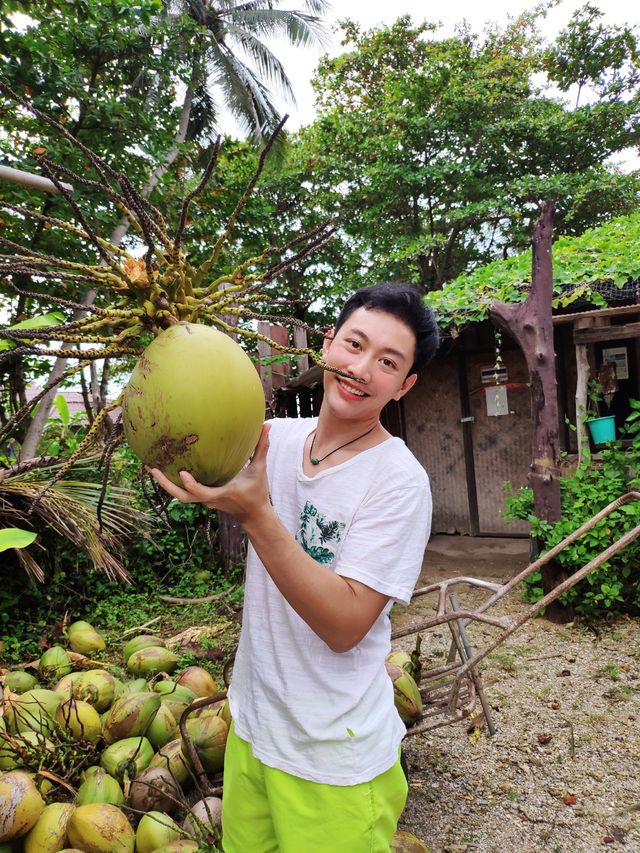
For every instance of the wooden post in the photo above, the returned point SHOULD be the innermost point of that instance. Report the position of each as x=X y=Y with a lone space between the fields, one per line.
x=530 y=324
x=582 y=380
x=264 y=351
x=300 y=341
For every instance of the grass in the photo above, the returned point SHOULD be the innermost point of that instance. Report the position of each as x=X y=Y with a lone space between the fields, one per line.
x=505 y=661
x=34 y=618
x=611 y=670
x=620 y=693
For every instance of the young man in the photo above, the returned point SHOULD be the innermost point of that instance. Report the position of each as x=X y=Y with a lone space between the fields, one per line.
x=337 y=513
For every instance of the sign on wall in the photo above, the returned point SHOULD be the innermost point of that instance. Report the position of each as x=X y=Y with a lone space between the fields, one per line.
x=497 y=401
x=619 y=357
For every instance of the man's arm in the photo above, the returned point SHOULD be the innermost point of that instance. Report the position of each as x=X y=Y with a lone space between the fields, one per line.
x=339 y=610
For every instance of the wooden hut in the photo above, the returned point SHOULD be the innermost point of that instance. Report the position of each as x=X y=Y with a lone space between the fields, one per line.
x=468 y=418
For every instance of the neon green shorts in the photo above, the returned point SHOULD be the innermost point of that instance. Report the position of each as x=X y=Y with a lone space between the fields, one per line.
x=265 y=810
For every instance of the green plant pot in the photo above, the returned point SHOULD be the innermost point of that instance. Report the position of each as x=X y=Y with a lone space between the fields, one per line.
x=602 y=429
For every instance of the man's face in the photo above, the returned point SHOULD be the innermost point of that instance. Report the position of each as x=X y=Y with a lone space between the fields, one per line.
x=377 y=350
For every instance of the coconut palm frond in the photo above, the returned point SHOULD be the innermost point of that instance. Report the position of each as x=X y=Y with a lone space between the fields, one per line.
x=234 y=27
x=314 y=7
x=117 y=514
x=247 y=98
x=204 y=114
x=30 y=566
x=70 y=509
x=300 y=29
x=267 y=63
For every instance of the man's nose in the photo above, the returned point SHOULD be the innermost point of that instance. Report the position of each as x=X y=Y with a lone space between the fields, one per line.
x=360 y=368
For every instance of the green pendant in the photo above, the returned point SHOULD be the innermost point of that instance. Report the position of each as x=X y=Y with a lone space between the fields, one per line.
x=314 y=461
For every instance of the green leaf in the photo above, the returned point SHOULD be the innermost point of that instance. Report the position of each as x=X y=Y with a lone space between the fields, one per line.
x=54 y=318
x=63 y=409
x=14 y=537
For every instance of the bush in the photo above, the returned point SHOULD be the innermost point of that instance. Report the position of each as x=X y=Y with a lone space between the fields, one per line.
x=593 y=485
x=175 y=559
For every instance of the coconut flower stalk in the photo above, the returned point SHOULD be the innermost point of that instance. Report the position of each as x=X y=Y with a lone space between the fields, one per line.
x=140 y=296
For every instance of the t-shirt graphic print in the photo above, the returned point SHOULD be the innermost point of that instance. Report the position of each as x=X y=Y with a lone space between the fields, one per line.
x=316 y=533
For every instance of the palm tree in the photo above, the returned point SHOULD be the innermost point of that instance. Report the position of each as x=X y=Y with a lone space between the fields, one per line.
x=224 y=54
x=228 y=56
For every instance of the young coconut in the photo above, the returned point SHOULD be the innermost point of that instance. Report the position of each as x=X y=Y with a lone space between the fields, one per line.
x=155 y=830
x=155 y=789
x=171 y=757
x=19 y=681
x=97 y=687
x=208 y=426
x=99 y=787
x=130 y=716
x=26 y=748
x=197 y=679
x=174 y=697
x=127 y=757
x=20 y=805
x=406 y=694
x=54 y=664
x=100 y=828
x=204 y=820
x=152 y=660
x=84 y=639
x=138 y=643
x=209 y=737
x=65 y=685
x=50 y=830
x=79 y=720
x=163 y=728
x=33 y=710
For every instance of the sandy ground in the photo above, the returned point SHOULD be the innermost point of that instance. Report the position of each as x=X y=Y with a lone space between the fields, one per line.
x=562 y=772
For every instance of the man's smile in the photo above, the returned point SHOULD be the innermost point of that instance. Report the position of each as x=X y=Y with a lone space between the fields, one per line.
x=351 y=388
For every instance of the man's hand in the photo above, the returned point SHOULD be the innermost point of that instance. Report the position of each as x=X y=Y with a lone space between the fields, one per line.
x=242 y=497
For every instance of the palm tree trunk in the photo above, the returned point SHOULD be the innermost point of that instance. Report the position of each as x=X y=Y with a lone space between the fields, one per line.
x=30 y=444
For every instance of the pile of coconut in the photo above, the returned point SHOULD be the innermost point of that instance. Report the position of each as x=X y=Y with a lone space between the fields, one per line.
x=99 y=759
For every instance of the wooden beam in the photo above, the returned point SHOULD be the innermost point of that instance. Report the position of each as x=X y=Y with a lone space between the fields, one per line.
x=606 y=333
x=559 y=319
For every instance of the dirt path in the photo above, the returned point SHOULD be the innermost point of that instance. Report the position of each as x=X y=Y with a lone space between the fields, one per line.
x=562 y=772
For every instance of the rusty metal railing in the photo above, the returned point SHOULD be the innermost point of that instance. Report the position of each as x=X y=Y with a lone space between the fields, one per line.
x=449 y=691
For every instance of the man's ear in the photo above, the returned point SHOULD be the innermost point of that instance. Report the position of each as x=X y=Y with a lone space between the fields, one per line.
x=407 y=385
x=326 y=341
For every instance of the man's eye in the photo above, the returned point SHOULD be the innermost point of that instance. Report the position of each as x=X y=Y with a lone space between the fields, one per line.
x=388 y=363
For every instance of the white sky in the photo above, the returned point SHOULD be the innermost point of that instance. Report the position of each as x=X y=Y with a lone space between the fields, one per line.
x=300 y=63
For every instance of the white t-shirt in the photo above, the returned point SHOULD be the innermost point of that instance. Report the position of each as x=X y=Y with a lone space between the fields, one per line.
x=318 y=714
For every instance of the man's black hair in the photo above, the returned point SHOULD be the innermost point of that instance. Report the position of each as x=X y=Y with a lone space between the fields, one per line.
x=404 y=302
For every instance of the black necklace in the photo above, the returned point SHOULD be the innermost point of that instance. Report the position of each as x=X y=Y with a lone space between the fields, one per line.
x=315 y=461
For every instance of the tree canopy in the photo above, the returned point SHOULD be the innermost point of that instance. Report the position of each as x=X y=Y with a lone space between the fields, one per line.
x=436 y=152
x=608 y=253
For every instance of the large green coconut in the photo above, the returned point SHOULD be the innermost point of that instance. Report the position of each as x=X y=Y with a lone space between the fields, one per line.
x=84 y=639
x=154 y=830
x=49 y=833
x=20 y=681
x=195 y=403
x=20 y=805
x=100 y=828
